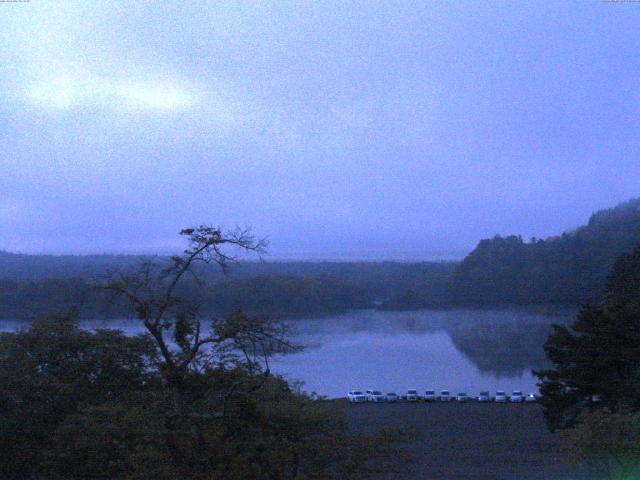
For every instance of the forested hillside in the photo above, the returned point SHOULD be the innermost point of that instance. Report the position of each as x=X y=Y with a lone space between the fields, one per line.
x=570 y=269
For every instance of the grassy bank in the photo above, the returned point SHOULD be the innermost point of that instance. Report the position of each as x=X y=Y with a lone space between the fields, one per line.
x=468 y=441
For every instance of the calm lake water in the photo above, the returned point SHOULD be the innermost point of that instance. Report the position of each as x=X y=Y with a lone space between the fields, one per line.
x=456 y=350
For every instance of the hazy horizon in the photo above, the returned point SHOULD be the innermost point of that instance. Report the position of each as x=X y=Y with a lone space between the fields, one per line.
x=405 y=257
x=402 y=257
x=361 y=132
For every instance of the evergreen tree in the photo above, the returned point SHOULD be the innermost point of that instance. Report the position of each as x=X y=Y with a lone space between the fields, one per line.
x=597 y=359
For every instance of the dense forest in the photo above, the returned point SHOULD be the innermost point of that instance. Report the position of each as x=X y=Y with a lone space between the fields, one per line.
x=570 y=269
x=32 y=285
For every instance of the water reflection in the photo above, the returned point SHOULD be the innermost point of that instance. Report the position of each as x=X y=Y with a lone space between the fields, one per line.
x=505 y=350
x=459 y=350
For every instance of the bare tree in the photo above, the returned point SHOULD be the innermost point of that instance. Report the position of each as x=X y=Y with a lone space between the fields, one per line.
x=185 y=343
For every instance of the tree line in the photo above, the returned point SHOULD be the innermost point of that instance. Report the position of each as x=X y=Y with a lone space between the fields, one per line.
x=36 y=285
x=266 y=295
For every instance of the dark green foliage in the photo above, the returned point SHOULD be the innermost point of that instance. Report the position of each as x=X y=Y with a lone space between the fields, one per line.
x=624 y=282
x=47 y=371
x=192 y=398
x=599 y=354
x=82 y=405
x=266 y=295
x=110 y=440
x=571 y=269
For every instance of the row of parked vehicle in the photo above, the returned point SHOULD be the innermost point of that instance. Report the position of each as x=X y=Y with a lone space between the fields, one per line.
x=357 y=396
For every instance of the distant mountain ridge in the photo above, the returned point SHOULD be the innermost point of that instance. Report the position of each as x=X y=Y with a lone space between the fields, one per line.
x=34 y=267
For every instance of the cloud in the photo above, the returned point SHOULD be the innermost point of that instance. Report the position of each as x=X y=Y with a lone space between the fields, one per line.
x=68 y=91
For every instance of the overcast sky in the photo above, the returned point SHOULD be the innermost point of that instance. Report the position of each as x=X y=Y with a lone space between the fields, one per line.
x=395 y=130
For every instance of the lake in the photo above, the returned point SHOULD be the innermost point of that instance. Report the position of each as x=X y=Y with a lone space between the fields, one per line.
x=456 y=350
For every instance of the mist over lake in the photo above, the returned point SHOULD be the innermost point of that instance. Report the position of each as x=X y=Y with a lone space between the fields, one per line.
x=456 y=350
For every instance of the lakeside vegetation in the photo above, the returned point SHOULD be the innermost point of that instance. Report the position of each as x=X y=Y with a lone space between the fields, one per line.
x=189 y=398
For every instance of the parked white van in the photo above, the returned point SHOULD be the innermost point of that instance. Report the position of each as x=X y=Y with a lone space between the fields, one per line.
x=484 y=397
x=501 y=396
x=516 y=397
x=356 y=396
x=462 y=397
x=412 y=395
x=430 y=396
x=375 y=396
